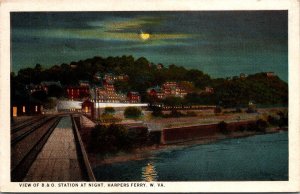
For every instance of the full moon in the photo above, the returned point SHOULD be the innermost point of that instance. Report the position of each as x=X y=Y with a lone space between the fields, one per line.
x=144 y=36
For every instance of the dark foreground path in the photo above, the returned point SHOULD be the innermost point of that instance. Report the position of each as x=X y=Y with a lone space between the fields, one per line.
x=58 y=159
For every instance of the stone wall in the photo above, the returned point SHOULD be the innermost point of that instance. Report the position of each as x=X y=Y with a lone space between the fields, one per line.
x=180 y=134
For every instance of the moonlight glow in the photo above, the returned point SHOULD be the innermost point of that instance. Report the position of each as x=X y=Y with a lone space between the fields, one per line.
x=144 y=36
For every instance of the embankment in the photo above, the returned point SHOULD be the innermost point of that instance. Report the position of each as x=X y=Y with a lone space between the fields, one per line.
x=180 y=134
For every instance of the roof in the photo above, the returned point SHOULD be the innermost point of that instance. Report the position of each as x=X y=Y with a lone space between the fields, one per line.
x=134 y=93
x=48 y=83
x=156 y=88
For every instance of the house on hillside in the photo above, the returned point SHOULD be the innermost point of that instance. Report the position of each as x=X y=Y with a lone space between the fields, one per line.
x=243 y=76
x=45 y=84
x=77 y=92
x=168 y=89
x=107 y=93
x=111 y=78
x=270 y=74
x=209 y=90
x=155 y=92
x=173 y=89
x=133 y=97
x=160 y=66
x=35 y=88
x=84 y=83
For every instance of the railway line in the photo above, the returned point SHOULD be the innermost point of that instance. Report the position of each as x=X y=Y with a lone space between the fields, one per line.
x=27 y=139
x=21 y=124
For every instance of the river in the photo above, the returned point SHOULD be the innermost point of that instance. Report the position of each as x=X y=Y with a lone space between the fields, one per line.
x=259 y=157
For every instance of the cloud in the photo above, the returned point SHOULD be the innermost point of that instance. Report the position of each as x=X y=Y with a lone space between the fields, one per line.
x=96 y=34
x=112 y=29
x=123 y=24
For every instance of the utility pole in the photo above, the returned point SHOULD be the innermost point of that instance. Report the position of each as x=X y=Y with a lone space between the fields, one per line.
x=95 y=100
x=97 y=109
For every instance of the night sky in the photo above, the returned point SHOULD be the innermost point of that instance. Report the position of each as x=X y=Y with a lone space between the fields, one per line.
x=219 y=43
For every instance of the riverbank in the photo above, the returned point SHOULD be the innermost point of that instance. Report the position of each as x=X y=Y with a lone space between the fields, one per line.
x=261 y=157
x=185 y=133
x=147 y=151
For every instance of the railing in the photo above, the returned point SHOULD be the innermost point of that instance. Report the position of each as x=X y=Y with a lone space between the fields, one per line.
x=193 y=107
x=86 y=162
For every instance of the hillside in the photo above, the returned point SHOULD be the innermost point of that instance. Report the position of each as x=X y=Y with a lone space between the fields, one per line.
x=236 y=91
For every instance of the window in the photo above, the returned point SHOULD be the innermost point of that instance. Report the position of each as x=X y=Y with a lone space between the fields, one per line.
x=15 y=111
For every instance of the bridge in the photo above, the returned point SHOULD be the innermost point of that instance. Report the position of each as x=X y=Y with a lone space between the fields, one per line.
x=48 y=148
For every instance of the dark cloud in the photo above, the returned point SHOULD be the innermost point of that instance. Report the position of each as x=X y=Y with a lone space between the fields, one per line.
x=234 y=41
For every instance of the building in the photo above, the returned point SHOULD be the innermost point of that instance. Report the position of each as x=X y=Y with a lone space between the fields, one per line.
x=35 y=88
x=69 y=105
x=243 y=75
x=88 y=108
x=77 y=92
x=180 y=92
x=133 y=97
x=43 y=86
x=111 y=78
x=49 y=83
x=84 y=83
x=209 y=90
x=173 y=89
x=107 y=93
x=98 y=76
x=155 y=92
x=270 y=74
x=160 y=66
x=122 y=77
x=24 y=106
x=168 y=89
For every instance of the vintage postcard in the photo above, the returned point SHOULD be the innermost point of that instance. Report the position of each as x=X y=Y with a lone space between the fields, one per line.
x=140 y=96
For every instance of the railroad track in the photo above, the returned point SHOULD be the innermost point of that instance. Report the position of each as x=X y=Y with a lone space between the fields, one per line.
x=21 y=124
x=26 y=143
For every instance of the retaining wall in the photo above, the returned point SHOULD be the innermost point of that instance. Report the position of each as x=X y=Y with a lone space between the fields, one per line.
x=179 y=134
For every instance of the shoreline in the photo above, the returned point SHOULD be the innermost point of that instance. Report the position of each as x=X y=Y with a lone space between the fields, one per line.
x=147 y=151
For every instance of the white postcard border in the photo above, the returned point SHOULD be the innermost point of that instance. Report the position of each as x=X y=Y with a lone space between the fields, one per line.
x=292 y=6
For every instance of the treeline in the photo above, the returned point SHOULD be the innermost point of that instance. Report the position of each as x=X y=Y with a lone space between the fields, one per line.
x=144 y=74
x=238 y=92
x=113 y=138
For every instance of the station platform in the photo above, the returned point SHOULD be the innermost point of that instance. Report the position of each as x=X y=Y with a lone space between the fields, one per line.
x=58 y=159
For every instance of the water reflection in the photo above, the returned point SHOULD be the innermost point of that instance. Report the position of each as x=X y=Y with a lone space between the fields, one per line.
x=149 y=173
x=245 y=159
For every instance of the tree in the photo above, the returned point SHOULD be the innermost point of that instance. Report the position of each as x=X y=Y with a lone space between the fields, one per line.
x=173 y=101
x=38 y=67
x=223 y=127
x=108 y=138
x=261 y=125
x=40 y=95
x=218 y=110
x=50 y=103
x=55 y=91
x=132 y=112
x=109 y=110
x=142 y=62
x=157 y=111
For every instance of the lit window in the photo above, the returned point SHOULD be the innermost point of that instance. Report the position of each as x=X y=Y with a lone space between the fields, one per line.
x=36 y=108
x=23 y=109
x=15 y=110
